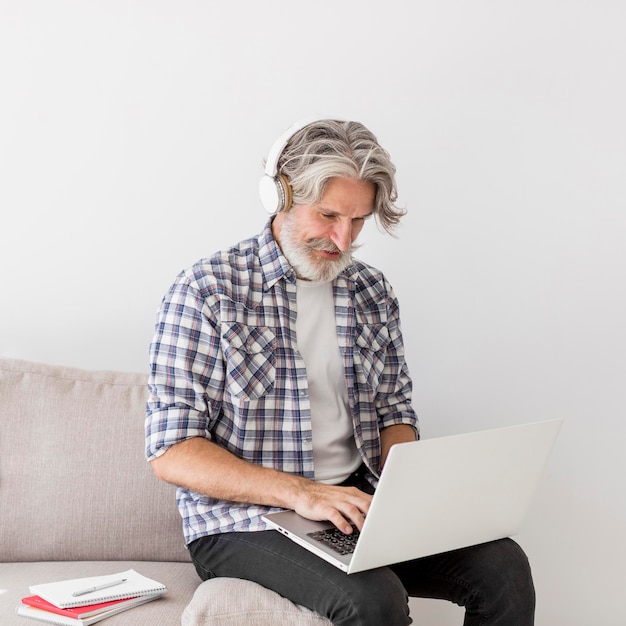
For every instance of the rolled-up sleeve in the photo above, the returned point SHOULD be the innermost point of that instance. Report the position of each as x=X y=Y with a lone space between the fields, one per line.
x=187 y=372
x=394 y=395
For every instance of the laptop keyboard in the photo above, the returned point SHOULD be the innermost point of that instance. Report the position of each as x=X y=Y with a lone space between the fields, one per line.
x=335 y=539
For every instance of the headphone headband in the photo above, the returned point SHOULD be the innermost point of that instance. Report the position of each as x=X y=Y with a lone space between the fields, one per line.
x=275 y=190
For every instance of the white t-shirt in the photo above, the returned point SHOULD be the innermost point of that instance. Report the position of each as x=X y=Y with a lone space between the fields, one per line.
x=334 y=450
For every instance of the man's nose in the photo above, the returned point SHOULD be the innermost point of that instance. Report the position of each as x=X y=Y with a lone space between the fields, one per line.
x=342 y=236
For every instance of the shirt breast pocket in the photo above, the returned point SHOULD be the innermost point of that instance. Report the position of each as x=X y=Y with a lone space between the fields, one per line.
x=250 y=360
x=370 y=342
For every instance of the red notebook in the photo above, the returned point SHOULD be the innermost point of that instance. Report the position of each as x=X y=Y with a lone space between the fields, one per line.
x=78 y=612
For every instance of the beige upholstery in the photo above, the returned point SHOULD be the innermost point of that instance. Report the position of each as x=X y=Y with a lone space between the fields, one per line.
x=77 y=498
x=72 y=441
x=216 y=602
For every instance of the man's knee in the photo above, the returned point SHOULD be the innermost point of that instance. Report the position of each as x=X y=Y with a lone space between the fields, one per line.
x=374 y=597
x=513 y=575
x=506 y=593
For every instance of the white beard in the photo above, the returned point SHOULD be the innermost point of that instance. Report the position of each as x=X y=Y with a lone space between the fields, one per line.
x=301 y=255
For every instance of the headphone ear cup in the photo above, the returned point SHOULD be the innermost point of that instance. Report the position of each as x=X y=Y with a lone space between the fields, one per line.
x=271 y=198
x=275 y=193
x=286 y=190
x=274 y=188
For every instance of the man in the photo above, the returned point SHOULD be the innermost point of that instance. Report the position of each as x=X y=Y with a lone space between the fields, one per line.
x=278 y=380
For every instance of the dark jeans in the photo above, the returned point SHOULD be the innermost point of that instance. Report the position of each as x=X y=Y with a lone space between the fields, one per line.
x=492 y=580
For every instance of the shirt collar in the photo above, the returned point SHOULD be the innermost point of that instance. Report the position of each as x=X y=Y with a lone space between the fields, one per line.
x=273 y=264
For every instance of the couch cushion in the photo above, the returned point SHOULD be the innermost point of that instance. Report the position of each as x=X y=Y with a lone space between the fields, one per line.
x=74 y=483
x=234 y=602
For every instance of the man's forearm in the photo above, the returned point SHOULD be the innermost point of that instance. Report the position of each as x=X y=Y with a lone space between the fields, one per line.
x=206 y=468
x=398 y=433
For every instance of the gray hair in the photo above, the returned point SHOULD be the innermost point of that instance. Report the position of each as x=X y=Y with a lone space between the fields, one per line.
x=332 y=149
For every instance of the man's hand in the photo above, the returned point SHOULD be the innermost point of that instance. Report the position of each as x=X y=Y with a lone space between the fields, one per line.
x=342 y=506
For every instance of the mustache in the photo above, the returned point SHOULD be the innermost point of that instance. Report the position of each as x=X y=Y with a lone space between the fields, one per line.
x=328 y=246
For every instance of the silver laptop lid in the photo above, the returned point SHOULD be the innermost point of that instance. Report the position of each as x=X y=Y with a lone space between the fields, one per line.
x=445 y=493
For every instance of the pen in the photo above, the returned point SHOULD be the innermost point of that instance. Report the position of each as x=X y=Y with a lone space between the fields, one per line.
x=82 y=592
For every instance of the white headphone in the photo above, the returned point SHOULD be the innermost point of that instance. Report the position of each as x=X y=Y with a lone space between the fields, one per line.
x=274 y=189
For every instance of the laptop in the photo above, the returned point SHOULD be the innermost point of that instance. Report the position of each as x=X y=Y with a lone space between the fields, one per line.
x=436 y=495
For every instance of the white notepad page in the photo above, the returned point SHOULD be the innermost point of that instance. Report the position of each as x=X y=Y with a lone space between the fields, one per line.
x=60 y=593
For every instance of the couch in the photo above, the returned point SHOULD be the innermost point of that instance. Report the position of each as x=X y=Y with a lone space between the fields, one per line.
x=77 y=498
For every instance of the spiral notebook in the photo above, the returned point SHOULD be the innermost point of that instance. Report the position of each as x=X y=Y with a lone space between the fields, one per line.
x=47 y=612
x=71 y=593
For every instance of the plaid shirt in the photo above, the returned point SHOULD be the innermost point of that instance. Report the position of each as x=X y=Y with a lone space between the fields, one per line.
x=225 y=366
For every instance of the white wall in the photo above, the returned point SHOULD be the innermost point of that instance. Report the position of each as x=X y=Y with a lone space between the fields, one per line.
x=131 y=140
